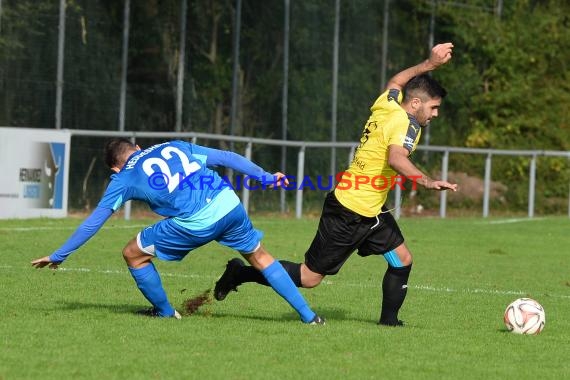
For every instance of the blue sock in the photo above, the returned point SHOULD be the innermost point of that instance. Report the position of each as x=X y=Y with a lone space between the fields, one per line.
x=280 y=281
x=148 y=282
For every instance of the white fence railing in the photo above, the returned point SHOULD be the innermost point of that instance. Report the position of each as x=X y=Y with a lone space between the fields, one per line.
x=303 y=145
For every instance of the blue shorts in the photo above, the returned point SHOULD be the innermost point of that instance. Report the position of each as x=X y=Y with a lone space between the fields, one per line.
x=169 y=241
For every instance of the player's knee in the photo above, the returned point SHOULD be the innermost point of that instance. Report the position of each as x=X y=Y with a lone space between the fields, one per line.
x=133 y=255
x=259 y=259
x=404 y=254
x=128 y=255
x=407 y=259
x=398 y=258
x=311 y=282
x=310 y=279
x=127 y=252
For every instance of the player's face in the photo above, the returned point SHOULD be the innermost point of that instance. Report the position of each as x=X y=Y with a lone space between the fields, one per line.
x=427 y=110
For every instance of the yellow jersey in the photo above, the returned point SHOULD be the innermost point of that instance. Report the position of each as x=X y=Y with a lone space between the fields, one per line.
x=364 y=187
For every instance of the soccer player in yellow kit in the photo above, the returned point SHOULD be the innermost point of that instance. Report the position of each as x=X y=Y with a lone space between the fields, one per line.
x=354 y=217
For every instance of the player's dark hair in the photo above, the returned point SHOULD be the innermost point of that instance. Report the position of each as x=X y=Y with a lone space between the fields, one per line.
x=115 y=149
x=423 y=86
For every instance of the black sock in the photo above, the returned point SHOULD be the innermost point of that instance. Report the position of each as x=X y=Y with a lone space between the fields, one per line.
x=394 y=290
x=294 y=271
x=250 y=274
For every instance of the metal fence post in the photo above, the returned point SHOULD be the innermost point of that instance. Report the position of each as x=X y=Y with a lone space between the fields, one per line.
x=124 y=64
x=531 y=186
x=397 y=202
x=334 y=100
x=181 y=65
x=245 y=193
x=285 y=100
x=443 y=194
x=487 y=186
x=300 y=175
x=235 y=71
x=60 y=62
x=128 y=204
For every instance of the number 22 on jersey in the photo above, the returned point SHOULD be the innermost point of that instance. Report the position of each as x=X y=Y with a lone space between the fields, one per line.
x=162 y=164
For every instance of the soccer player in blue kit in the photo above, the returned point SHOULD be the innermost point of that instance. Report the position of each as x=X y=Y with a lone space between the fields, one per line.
x=176 y=180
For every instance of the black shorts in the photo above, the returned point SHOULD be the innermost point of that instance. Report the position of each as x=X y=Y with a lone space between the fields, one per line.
x=342 y=231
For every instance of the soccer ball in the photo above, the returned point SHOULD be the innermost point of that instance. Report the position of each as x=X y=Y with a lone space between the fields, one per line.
x=525 y=316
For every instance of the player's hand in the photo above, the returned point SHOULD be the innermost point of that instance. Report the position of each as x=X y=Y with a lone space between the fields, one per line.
x=442 y=185
x=280 y=180
x=441 y=54
x=44 y=261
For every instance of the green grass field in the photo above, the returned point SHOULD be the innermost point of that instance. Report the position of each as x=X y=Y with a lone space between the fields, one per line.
x=79 y=322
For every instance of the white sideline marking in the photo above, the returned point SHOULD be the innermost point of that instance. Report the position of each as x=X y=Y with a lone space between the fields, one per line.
x=122 y=272
x=516 y=220
x=451 y=290
x=428 y=288
x=46 y=228
x=483 y=291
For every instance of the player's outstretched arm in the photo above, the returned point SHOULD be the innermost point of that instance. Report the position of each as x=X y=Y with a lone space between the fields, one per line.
x=399 y=161
x=440 y=55
x=235 y=161
x=83 y=233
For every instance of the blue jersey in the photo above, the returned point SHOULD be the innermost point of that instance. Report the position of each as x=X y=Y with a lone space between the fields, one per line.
x=174 y=179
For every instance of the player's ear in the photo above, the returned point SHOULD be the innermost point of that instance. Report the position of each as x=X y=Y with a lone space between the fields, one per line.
x=416 y=103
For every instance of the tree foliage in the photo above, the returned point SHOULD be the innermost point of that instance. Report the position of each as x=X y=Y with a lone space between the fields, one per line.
x=514 y=70
x=509 y=89
x=508 y=82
